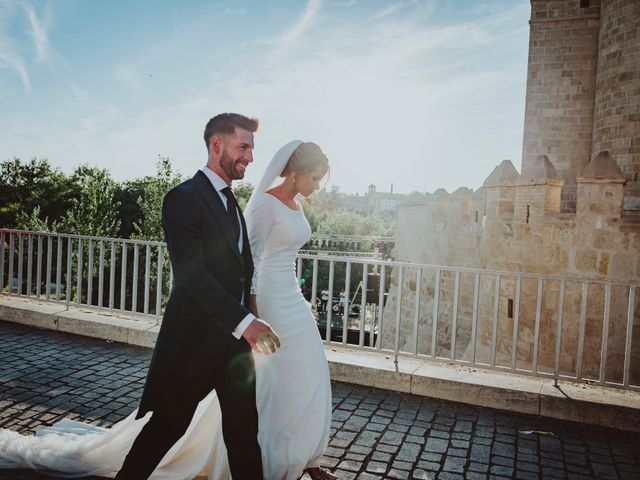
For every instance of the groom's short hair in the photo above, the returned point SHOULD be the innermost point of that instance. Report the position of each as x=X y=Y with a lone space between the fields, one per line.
x=227 y=123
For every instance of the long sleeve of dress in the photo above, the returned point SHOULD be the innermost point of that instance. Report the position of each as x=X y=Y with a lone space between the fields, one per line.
x=259 y=223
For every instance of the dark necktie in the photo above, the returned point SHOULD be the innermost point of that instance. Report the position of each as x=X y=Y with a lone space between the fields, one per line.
x=232 y=209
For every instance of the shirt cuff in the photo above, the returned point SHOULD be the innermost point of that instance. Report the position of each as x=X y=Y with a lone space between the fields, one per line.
x=242 y=326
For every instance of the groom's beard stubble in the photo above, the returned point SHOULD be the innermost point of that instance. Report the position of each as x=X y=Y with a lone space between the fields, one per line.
x=233 y=167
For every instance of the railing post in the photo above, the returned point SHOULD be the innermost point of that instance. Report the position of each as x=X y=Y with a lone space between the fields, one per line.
x=11 y=249
x=101 y=276
x=49 y=263
x=112 y=275
x=416 y=319
x=29 y=264
x=380 y=312
x=134 y=294
x=396 y=347
x=556 y=370
x=68 y=280
x=329 y=312
x=536 y=335
x=627 y=343
x=363 y=305
x=58 y=266
x=90 y=274
x=20 y=262
x=434 y=323
x=314 y=284
x=79 y=272
x=474 y=317
x=583 y=321
x=494 y=323
x=454 y=322
x=345 y=310
x=123 y=276
x=516 y=323
x=39 y=268
x=605 y=334
x=147 y=278
x=159 y=285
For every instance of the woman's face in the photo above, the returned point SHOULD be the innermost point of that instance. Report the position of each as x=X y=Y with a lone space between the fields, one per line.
x=309 y=182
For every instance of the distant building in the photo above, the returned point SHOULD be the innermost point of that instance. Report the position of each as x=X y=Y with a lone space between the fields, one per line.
x=371 y=202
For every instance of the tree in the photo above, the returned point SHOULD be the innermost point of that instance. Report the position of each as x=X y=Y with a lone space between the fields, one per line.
x=151 y=192
x=33 y=188
x=94 y=210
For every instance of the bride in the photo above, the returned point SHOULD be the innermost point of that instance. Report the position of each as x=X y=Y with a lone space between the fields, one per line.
x=293 y=391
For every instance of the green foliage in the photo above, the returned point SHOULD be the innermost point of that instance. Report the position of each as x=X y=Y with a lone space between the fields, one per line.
x=325 y=219
x=149 y=201
x=36 y=196
x=242 y=191
x=32 y=222
x=94 y=209
x=32 y=188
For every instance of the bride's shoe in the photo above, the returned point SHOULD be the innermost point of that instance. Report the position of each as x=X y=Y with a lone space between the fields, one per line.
x=320 y=474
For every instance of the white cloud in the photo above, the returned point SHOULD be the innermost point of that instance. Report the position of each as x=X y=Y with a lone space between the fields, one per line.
x=13 y=55
x=38 y=30
x=390 y=10
x=10 y=59
x=294 y=34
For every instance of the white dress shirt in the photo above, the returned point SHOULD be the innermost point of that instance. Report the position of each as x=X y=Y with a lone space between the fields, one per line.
x=219 y=184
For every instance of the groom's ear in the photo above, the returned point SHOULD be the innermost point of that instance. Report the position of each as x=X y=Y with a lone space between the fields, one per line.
x=215 y=144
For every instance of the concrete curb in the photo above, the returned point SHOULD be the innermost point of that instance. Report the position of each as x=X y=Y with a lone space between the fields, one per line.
x=582 y=403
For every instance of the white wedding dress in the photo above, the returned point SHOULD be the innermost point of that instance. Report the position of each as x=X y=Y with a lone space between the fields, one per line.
x=293 y=391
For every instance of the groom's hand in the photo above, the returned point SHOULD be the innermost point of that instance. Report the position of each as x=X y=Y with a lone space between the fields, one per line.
x=261 y=337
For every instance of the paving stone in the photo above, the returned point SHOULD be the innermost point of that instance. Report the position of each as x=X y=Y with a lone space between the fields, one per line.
x=450 y=476
x=399 y=474
x=429 y=466
x=436 y=445
x=381 y=457
x=501 y=470
x=350 y=465
x=376 y=467
x=475 y=476
x=454 y=464
x=419 y=474
x=369 y=476
x=375 y=434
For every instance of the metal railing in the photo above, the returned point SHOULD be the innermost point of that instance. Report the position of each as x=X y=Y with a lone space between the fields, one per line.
x=574 y=329
x=132 y=276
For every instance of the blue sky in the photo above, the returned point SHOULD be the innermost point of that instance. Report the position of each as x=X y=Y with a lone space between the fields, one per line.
x=421 y=94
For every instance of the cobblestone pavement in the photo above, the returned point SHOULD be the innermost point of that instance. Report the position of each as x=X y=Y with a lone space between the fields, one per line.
x=376 y=434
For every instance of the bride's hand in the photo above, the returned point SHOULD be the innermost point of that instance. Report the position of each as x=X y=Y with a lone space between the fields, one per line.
x=261 y=337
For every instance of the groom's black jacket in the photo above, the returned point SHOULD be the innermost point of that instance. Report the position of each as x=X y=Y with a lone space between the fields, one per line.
x=211 y=276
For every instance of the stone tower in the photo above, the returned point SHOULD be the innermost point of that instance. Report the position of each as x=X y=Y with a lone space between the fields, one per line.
x=583 y=88
x=616 y=125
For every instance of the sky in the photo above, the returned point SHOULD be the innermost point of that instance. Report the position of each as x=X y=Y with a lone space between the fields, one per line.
x=418 y=94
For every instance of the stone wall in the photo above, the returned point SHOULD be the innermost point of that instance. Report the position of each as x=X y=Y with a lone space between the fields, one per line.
x=520 y=229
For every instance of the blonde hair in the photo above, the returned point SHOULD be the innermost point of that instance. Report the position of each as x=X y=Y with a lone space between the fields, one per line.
x=306 y=158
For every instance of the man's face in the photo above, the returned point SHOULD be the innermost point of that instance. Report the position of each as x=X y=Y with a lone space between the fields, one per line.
x=236 y=153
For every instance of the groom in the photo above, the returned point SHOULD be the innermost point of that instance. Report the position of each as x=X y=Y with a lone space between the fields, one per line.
x=207 y=332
